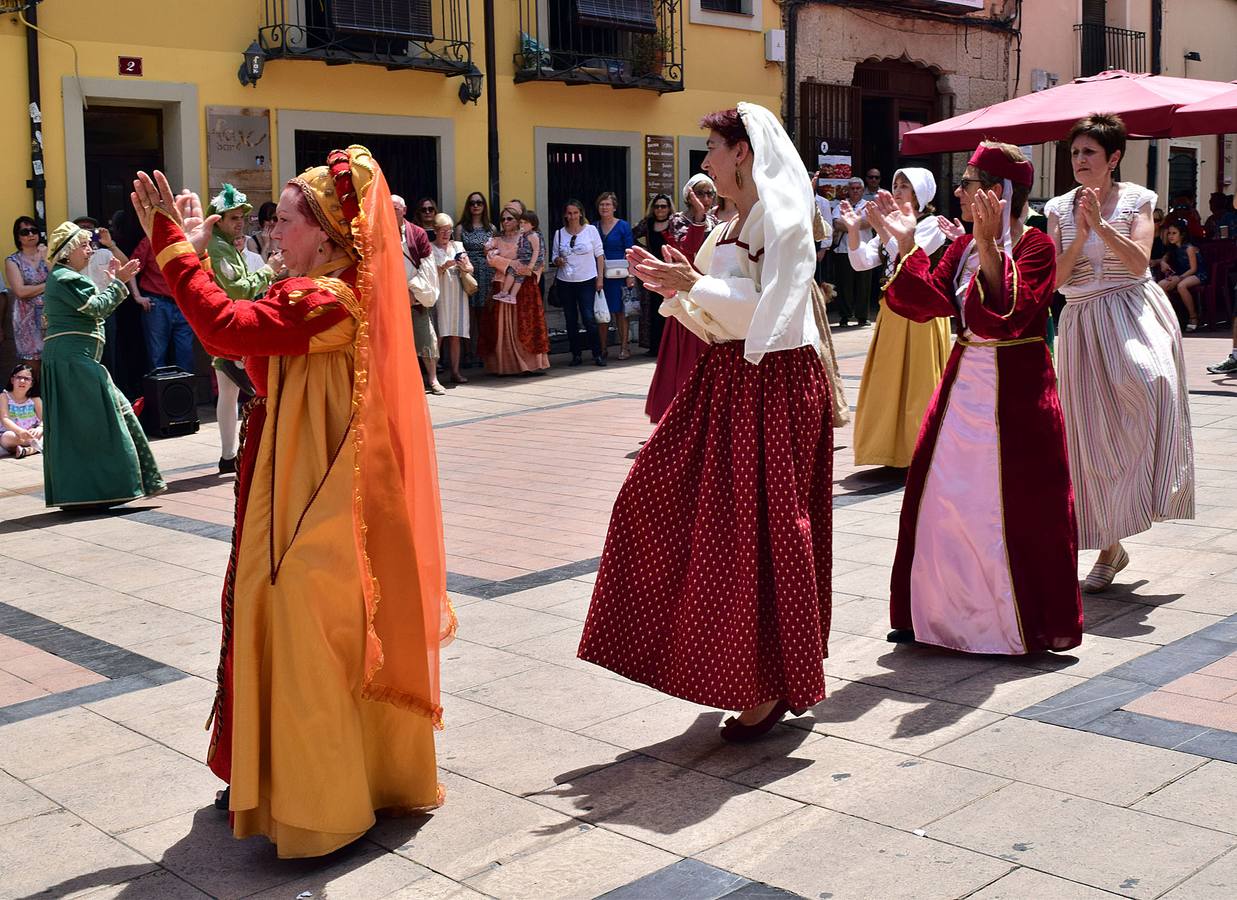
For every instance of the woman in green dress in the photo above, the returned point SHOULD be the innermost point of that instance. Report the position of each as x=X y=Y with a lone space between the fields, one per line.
x=95 y=453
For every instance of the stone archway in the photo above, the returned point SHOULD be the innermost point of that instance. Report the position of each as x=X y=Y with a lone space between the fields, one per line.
x=894 y=95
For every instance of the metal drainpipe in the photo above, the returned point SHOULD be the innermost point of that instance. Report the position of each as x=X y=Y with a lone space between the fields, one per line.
x=491 y=106
x=792 y=29
x=1157 y=66
x=38 y=181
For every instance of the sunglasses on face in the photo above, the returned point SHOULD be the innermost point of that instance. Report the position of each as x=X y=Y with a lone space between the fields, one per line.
x=428 y=209
x=706 y=193
x=875 y=177
x=22 y=378
x=27 y=232
x=661 y=206
x=476 y=203
x=963 y=182
x=507 y=219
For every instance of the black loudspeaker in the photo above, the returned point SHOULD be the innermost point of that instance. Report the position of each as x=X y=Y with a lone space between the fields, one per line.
x=171 y=407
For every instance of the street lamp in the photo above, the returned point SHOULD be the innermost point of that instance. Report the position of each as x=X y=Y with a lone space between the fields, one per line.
x=252 y=66
x=470 y=87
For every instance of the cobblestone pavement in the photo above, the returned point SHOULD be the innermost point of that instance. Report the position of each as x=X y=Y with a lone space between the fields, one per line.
x=925 y=774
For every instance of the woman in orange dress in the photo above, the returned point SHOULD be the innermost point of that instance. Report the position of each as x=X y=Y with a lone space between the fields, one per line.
x=328 y=678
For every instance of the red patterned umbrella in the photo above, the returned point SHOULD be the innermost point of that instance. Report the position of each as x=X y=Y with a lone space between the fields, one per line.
x=1145 y=102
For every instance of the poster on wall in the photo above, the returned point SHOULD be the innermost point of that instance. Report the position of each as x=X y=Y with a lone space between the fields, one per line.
x=833 y=171
x=658 y=167
x=238 y=151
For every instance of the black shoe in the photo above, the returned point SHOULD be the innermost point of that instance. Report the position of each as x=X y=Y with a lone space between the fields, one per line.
x=862 y=323
x=227 y=465
x=575 y=361
x=222 y=798
x=599 y=361
x=901 y=636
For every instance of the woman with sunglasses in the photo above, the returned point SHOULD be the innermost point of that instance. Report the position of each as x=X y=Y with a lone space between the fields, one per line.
x=513 y=340
x=679 y=348
x=26 y=273
x=580 y=259
x=474 y=231
x=427 y=209
x=652 y=233
x=987 y=556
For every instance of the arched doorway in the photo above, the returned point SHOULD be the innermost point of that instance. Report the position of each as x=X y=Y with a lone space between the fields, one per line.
x=894 y=96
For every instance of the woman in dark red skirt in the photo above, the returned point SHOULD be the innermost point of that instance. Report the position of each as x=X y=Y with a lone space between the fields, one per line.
x=715 y=581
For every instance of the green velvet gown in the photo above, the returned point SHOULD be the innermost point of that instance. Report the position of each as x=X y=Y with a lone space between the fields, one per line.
x=94 y=450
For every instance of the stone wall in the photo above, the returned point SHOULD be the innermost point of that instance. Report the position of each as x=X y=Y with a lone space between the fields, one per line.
x=972 y=63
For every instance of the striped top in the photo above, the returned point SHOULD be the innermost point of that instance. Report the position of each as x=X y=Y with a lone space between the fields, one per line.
x=1098 y=268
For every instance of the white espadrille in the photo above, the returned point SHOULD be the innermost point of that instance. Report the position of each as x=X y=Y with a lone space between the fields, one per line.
x=1102 y=574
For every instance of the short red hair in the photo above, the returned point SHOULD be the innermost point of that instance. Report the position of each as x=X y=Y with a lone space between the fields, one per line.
x=729 y=124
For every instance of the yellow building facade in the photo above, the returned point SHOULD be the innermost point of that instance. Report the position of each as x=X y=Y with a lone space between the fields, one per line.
x=96 y=120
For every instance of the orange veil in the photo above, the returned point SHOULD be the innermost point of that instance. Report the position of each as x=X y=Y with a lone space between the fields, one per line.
x=396 y=511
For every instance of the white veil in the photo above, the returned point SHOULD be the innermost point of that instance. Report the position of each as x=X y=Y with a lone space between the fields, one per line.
x=783 y=319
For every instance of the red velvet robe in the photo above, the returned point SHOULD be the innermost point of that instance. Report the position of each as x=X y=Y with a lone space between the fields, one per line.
x=1036 y=498
x=279 y=323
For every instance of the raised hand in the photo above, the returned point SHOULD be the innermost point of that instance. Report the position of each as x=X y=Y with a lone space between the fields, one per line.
x=1089 y=216
x=666 y=277
x=893 y=219
x=951 y=228
x=151 y=195
x=848 y=217
x=986 y=209
x=696 y=208
x=125 y=272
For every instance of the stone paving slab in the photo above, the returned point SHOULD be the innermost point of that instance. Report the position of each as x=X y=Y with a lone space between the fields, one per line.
x=924 y=774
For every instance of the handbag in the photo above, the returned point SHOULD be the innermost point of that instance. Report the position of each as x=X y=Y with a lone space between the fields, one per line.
x=469 y=283
x=616 y=268
x=631 y=301
x=601 y=309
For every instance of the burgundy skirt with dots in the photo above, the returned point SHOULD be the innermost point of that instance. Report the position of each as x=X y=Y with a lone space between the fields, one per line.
x=715 y=581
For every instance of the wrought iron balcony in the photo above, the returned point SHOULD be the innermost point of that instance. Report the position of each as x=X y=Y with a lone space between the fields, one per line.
x=399 y=34
x=1101 y=47
x=622 y=43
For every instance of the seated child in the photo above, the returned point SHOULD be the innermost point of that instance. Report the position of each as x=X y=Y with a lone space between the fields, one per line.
x=21 y=416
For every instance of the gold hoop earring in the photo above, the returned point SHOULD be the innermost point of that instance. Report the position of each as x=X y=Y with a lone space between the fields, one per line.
x=738 y=177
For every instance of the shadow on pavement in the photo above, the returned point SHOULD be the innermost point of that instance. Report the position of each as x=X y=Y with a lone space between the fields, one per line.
x=665 y=787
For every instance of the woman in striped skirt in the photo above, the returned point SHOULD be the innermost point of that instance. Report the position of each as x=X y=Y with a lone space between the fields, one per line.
x=1123 y=387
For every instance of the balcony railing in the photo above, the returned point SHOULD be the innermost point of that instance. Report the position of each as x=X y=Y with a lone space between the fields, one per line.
x=622 y=43
x=399 y=34
x=1101 y=47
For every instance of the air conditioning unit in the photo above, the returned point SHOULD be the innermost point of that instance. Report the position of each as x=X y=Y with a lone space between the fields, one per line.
x=1042 y=79
x=775 y=45
x=956 y=7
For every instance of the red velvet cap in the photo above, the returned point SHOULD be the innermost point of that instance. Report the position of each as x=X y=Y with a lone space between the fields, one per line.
x=994 y=161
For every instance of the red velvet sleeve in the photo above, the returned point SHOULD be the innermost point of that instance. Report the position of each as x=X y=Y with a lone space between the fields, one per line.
x=279 y=323
x=1027 y=287
x=920 y=292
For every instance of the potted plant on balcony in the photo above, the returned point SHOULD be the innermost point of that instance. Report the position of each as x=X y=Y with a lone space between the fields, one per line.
x=649 y=53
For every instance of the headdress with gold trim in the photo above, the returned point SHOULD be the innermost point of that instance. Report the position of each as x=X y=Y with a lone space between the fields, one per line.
x=335 y=192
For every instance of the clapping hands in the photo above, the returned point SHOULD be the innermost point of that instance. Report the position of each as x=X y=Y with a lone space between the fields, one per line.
x=987 y=211
x=951 y=228
x=152 y=195
x=896 y=220
x=125 y=272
